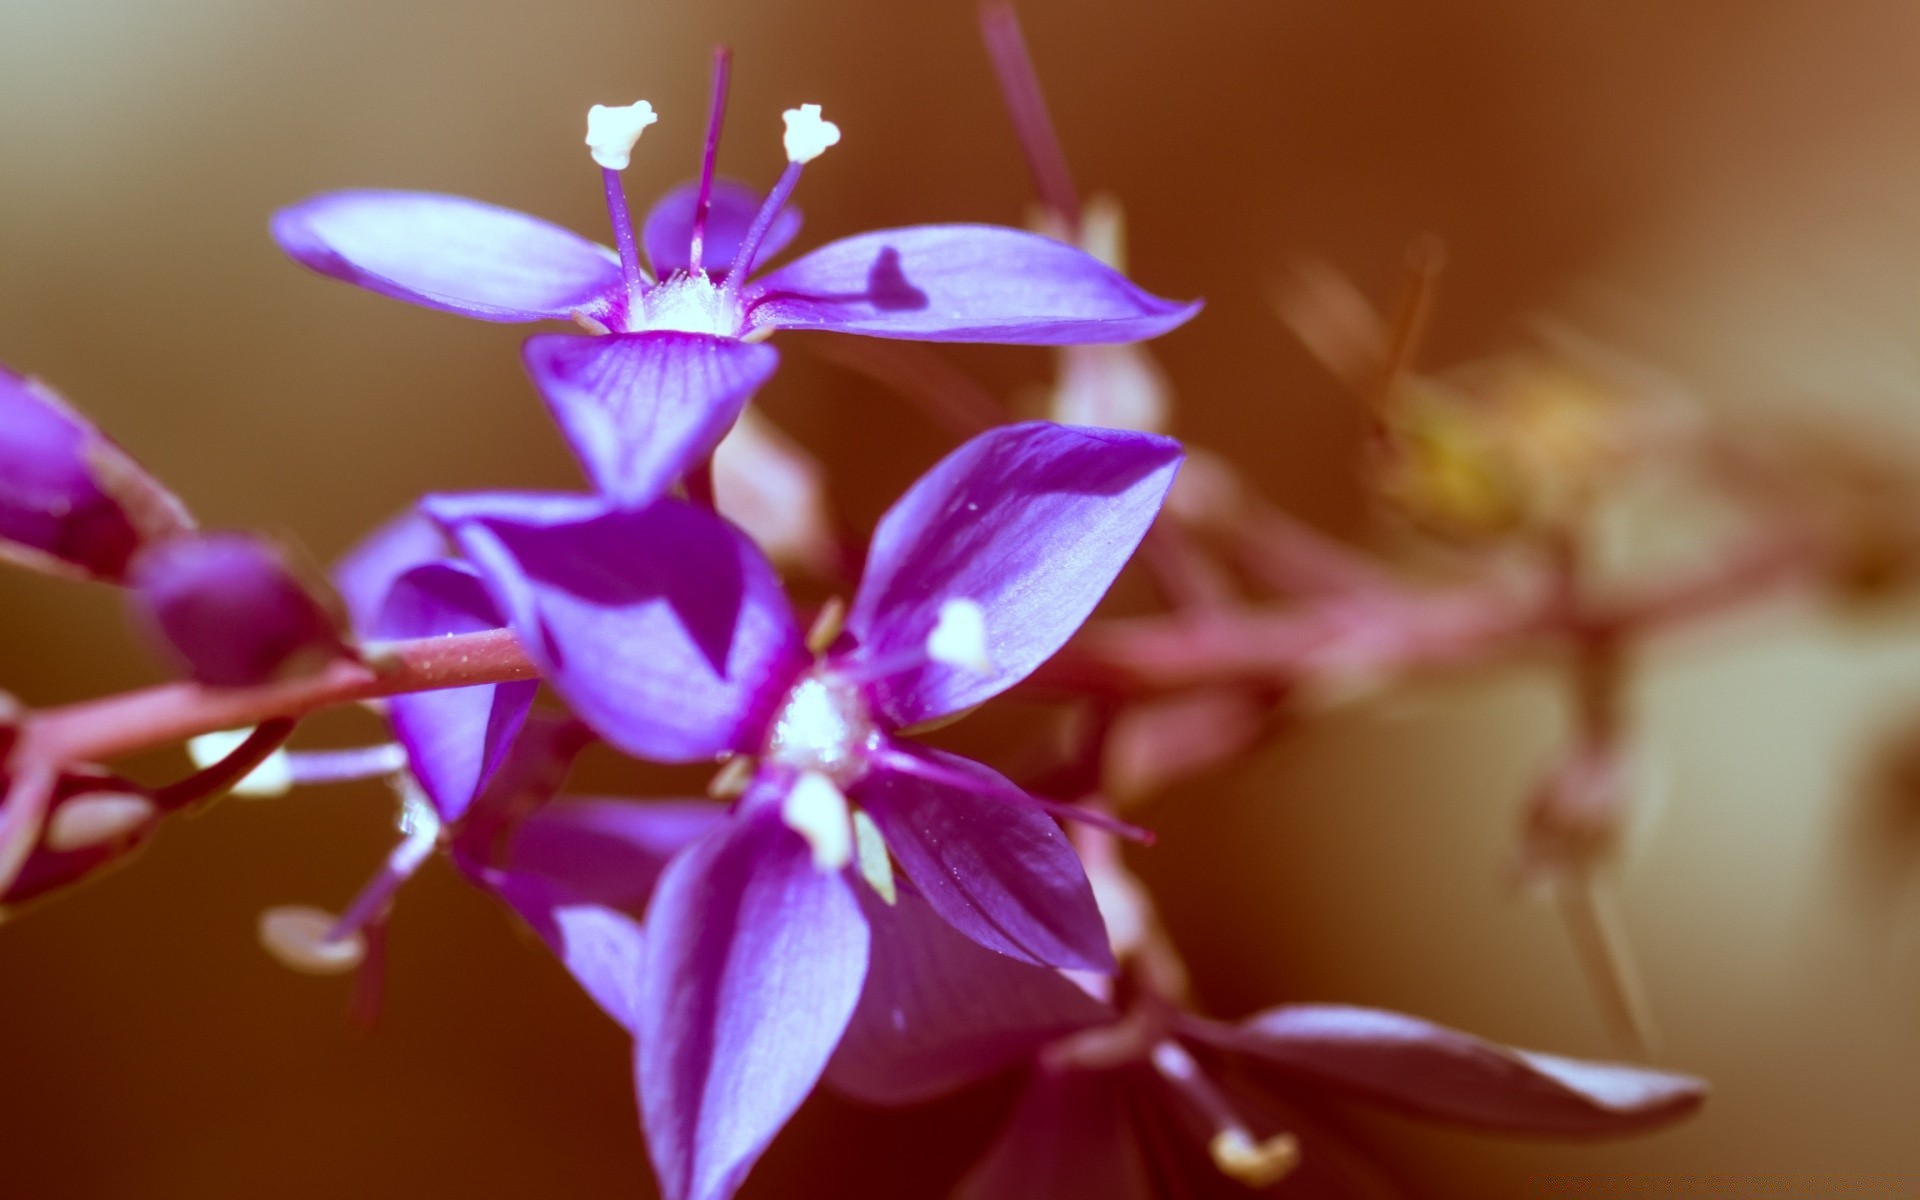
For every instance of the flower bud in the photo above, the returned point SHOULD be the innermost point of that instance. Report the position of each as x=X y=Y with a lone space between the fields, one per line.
x=71 y=502
x=231 y=609
x=94 y=820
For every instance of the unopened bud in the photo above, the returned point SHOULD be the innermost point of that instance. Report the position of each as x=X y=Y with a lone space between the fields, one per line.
x=296 y=935
x=231 y=609
x=97 y=819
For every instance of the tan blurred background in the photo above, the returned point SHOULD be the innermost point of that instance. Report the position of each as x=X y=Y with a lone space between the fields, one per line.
x=1729 y=187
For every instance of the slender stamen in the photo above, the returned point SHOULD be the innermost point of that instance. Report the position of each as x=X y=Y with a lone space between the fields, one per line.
x=612 y=132
x=1020 y=87
x=420 y=827
x=716 y=112
x=762 y=221
x=913 y=764
x=631 y=271
x=345 y=766
x=1235 y=1151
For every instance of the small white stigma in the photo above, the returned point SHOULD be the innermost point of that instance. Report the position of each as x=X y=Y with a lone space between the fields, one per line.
x=96 y=819
x=870 y=852
x=816 y=810
x=296 y=935
x=808 y=136
x=273 y=777
x=959 y=637
x=1256 y=1164
x=613 y=130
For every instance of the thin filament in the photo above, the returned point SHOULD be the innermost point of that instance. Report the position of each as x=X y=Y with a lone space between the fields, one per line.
x=716 y=113
x=631 y=271
x=762 y=221
x=1020 y=87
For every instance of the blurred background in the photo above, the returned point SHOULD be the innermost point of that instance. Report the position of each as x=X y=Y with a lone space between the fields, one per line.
x=1727 y=188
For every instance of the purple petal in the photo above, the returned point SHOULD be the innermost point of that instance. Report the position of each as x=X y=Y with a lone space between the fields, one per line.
x=668 y=234
x=986 y=858
x=753 y=964
x=451 y=253
x=663 y=627
x=960 y=283
x=1069 y=1137
x=1443 y=1074
x=642 y=409
x=580 y=872
x=456 y=737
x=70 y=500
x=939 y=1012
x=365 y=574
x=229 y=609
x=1030 y=521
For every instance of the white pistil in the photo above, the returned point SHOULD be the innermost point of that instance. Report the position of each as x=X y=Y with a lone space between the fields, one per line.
x=96 y=819
x=959 y=637
x=808 y=136
x=273 y=777
x=613 y=130
x=296 y=935
x=816 y=810
x=1256 y=1164
x=870 y=852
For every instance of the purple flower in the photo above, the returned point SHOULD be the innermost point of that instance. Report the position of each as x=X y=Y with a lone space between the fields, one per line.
x=678 y=349
x=70 y=500
x=230 y=609
x=666 y=630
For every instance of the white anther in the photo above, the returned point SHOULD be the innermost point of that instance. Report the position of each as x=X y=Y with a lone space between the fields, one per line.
x=612 y=131
x=97 y=818
x=296 y=935
x=807 y=135
x=1256 y=1164
x=816 y=810
x=273 y=777
x=959 y=637
x=870 y=852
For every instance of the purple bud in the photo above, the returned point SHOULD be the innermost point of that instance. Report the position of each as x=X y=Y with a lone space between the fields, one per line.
x=72 y=502
x=94 y=820
x=231 y=609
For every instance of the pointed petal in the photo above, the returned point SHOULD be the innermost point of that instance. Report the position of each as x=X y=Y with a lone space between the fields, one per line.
x=580 y=871
x=939 y=1012
x=365 y=574
x=1443 y=1074
x=986 y=858
x=642 y=409
x=753 y=965
x=451 y=253
x=668 y=233
x=960 y=283
x=1070 y=1136
x=663 y=627
x=1032 y=522
x=456 y=737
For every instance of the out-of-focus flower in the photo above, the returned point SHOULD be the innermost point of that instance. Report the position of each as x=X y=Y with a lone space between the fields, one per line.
x=230 y=609
x=776 y=491
x=667 y=632
x=676 y=355
x=71 y=501
x=1113 y=386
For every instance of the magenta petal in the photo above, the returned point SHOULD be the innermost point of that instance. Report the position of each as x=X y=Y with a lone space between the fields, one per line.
x=939 y=1012
x=753 y=964
x=1443 y=1074
x=1069 y=1137
x=451 y=253
x=987 y=858
x=960 y=283
x=643 y=409
x=456 y=737
x=1032 y=522
x=663 y=627
x=580 y=872
x=668 y=234
x=365 y=574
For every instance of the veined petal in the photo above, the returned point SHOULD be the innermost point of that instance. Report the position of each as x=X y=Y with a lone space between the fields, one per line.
x=365 y=574
x=939 y=1012
x=668 y=233
x=456 y=737
x=1443 y=1074
x=451 y=253
x=642 y=409
x=754 y=960
x=986 y=857
x=960 y=283
x=1032 y=522
x=662 y=627
x=580 y=871
x=1069 y=1136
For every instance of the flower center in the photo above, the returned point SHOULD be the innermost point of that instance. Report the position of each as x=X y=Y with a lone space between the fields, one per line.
x=824 y=726
x=688 y=303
